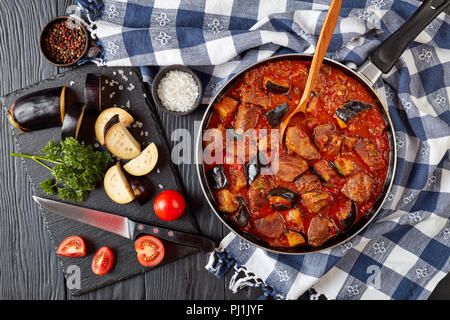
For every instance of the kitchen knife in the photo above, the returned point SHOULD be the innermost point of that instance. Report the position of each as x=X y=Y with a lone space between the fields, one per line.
x=123 y=226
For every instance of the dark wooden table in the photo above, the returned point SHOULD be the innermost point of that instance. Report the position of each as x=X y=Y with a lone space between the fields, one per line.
x=28 y=264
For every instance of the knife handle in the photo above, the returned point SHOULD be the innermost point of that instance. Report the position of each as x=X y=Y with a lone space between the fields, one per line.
x=188 y=239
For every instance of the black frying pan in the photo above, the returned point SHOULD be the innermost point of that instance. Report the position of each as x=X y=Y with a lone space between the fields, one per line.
x=380 y=61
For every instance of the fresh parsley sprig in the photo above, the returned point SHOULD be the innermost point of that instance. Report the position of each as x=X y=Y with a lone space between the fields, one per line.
x=76 y=170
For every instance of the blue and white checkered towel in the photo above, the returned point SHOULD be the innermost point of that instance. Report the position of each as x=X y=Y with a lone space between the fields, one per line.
x=402 y=254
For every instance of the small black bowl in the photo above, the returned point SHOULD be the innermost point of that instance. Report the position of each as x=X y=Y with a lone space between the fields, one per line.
x=44 y=34
x=157 y=80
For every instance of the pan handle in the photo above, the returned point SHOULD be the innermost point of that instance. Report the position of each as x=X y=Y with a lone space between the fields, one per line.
x=392 y=48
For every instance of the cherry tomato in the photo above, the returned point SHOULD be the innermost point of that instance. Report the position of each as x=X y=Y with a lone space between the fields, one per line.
x=72 y=246
x=103 y=261
x=150 y=250
x=169 y=205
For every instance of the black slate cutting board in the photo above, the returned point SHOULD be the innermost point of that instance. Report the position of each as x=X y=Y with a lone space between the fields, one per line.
x=121 y=87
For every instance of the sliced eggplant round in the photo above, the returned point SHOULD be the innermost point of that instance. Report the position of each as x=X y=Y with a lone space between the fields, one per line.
x=141 y=190
x=73 y=120
x=217 y=178
x=350 y=109
x=105 y=116
x=117 y=186
x=276 y=115
x=41 y=109
x=93 y=92
x=282 y=198
x=143 y=163
x=119 y=141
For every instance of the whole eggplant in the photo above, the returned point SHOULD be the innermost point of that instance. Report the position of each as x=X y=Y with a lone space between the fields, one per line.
x=40 y=109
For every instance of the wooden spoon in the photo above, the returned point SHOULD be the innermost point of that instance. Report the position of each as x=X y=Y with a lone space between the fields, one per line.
x=322 y=46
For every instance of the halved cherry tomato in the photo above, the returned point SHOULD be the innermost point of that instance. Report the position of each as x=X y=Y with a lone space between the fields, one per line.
x=169 y=205
x=72 y=246
x=150 y=250
x=103 y=261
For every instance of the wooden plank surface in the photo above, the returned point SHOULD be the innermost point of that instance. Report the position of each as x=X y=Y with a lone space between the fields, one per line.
x=28 y=264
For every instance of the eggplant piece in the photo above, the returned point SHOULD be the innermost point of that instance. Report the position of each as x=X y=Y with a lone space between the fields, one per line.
x=350 y=109
x=347 y=213
x=323 y=170
x=294 y=238
x=253 y=168
x=143 y=163
x=73 y=120
x=282 y=198
x=119 y=141
x=242 y=217
x=342 y=166
x=93 y=92
x=117 y=186
x=276 y=115
x=217 y=178
x=41 y=109
x=141 y=190
x=279 y=86
x=226 y=107
x=105 y=116
x=226 y=201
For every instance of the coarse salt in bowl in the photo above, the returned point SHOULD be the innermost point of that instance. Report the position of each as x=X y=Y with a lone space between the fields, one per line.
x=177 y=89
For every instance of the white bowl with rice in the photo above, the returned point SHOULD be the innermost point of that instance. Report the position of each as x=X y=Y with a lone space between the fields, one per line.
x=177 y=90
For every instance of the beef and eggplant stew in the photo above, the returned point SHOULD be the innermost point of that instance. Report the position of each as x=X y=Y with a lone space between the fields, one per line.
x=318 y=181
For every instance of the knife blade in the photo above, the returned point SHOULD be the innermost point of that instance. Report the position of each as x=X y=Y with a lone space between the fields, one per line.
x=123 y=226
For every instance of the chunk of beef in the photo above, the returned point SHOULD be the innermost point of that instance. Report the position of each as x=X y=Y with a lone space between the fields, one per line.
x=348 y=142
x=298 y=142
x=271 y=226
x=215 y=138
x=246 y=117
x=289 y=167
x=316 y=200
x=255 y=96
x=358 y=187
x=237 y=178
x=307 y=182
x=370 y=155
x=319 y=231
x=257 y=193
x=327 y=139
x=240 y=151
x=226 y=201
x=226 y=107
